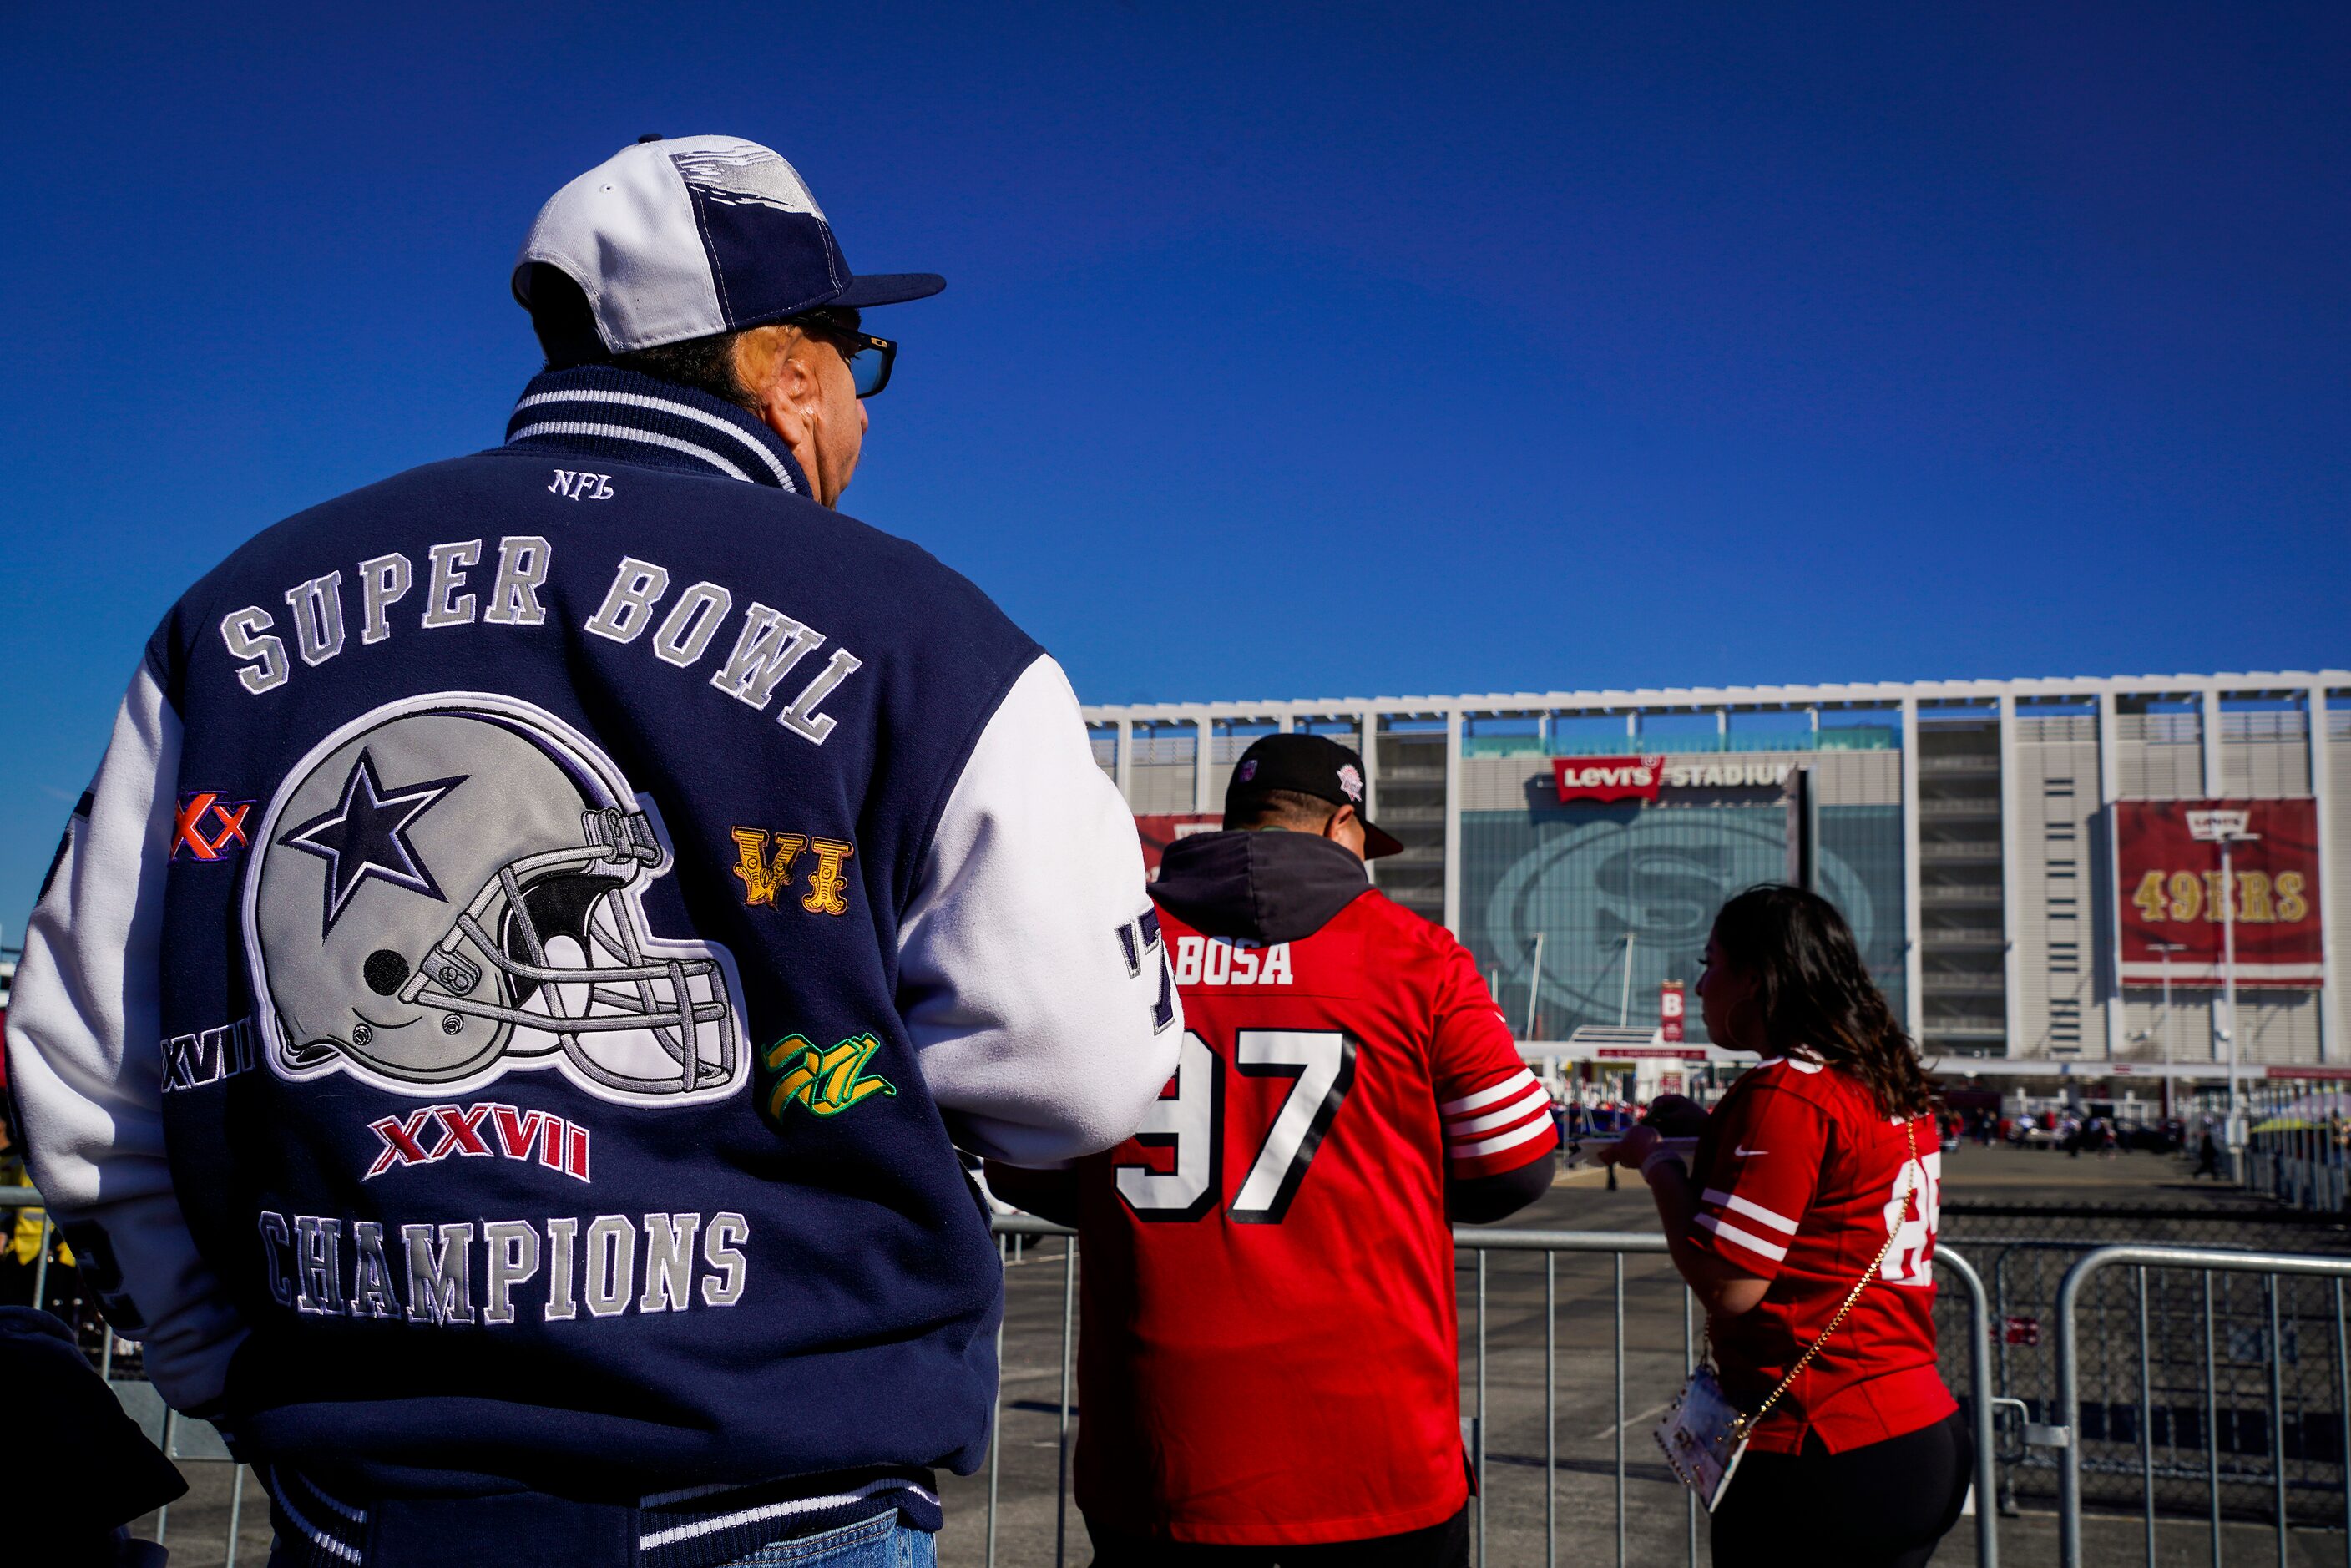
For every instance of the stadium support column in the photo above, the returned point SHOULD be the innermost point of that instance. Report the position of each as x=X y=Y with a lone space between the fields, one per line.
x=1201 y=750
x=2207 y=727
x=1127 y=763
x=1369 y=734
x=1913 y=927
x=2012 y=876
x=2330 y=897
x=2107 y=889
x=1453 y=820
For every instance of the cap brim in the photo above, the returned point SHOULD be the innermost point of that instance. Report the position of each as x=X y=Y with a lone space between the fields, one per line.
x=887 y=288
x=1376 y=842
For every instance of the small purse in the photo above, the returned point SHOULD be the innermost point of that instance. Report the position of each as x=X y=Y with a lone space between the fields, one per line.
x=1703 y=1434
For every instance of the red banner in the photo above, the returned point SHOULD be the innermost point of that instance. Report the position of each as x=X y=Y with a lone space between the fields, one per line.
x=1159 y=832
x=1671 y=1004
x=2173 y=894
x=1608 y=778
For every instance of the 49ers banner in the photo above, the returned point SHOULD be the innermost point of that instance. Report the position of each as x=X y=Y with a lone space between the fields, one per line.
x=1159 y=830
x=2173 y=894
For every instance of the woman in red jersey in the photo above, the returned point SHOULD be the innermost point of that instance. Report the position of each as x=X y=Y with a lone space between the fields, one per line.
x=1820 y=1166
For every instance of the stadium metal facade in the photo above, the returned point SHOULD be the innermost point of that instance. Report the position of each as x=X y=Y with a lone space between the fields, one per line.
x=1968 y=829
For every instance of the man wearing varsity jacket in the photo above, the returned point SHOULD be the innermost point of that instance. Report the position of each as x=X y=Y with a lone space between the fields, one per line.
x=500 y=1024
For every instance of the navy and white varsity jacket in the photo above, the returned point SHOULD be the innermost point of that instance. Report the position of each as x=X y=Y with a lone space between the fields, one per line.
x=499 y=1023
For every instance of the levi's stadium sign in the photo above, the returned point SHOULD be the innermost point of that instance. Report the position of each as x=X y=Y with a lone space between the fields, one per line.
x=1608 y=778
x=1640 y=777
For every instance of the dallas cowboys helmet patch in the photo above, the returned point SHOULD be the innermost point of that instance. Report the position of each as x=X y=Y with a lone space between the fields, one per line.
x=451 y=887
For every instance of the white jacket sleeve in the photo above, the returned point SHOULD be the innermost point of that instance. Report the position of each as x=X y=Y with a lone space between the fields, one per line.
x=1032 y=976
x=85 y=1060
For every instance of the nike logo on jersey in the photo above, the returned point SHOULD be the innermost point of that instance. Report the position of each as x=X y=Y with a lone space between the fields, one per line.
x=1746 y=1154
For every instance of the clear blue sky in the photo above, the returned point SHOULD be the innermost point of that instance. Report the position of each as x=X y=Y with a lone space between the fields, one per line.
x=1285 y=352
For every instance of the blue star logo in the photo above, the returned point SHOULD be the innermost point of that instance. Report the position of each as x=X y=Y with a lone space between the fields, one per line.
x=366 y=836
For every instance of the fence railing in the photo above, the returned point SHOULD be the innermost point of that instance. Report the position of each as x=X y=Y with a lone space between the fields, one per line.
x=1478 y=1245
x=2298 y=1143
x=2298 y=1453
x=2167 y=1433
x=2069 y=1436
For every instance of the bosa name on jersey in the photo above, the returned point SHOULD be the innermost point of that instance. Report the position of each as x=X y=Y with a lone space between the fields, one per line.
x=1230 y=961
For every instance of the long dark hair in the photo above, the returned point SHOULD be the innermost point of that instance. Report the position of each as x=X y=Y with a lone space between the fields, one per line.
x=1817 y=999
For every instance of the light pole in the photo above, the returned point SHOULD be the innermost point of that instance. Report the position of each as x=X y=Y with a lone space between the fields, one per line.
x=2228 y=828
x=1624 y=999
x=1534 y=989
x=2169 y=1058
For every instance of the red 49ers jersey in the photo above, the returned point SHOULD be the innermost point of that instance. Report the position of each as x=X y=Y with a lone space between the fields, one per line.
x=1799 y=1176
x=1268 y=1353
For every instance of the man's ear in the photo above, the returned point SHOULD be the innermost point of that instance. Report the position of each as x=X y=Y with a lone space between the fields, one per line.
x=778 y=380
x=1344 y=814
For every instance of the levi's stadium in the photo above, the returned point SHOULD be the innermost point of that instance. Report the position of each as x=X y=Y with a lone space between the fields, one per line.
x=2019 y=859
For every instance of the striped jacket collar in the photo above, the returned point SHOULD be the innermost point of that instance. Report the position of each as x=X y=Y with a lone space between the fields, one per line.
x=600 y=412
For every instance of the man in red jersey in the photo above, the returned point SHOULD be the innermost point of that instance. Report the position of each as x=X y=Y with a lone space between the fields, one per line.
x=1267 y=1373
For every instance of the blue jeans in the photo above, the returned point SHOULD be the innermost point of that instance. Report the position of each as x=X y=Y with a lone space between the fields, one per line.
x=878 y=1542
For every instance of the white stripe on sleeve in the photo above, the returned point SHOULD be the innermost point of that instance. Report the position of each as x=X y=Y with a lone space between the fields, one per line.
x=1487 y=1095
x=1034 y=1036
x=1534 y=1096
x=1500 y=1141
x=1749 y=1239
x=1755 y=1211
x=86 y=1048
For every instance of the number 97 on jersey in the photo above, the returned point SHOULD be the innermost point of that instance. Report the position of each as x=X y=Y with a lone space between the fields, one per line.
x=1301 y=1076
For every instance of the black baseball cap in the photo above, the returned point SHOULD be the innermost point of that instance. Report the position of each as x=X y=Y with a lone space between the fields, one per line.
x=1310 y=764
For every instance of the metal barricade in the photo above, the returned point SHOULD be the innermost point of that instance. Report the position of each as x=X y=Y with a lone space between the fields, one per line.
x=189 y=1440
x=2295 y=1147
x=1472 y=1249
x=2279 y=1336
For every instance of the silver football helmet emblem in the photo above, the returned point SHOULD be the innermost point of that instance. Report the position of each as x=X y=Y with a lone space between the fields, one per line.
x=451 y=887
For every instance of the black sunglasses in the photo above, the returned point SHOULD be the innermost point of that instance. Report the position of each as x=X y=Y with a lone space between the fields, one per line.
x=869 y=357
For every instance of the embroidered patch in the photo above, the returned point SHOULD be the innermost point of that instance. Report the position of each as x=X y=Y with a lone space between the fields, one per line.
x=207 y=1056
x=764 y=861
x=207 y=825
x=827 y=1081
x=451 y=887
x=483 y=1129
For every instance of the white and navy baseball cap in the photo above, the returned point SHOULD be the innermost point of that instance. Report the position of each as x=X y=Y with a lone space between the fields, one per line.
x=680 y=238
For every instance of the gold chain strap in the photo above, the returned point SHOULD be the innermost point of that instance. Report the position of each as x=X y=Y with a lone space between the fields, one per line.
x=1747 y=1424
